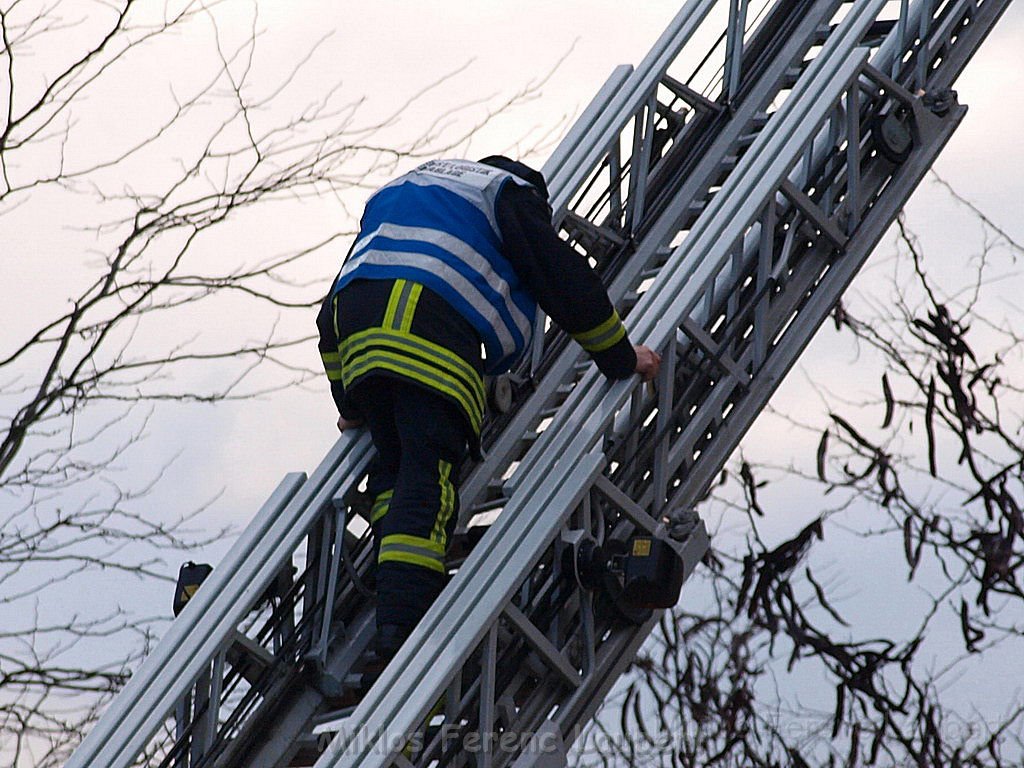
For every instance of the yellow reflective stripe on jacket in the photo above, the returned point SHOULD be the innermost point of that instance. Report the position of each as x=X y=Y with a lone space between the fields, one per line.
x=403 y=548
x=409 y=309
x=332 y=364
x=439 y=533
x=393 y=299
x=380 y=505
x=603 y=336
x=402 y=305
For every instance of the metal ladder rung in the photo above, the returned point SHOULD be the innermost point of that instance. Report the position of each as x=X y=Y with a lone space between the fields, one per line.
x=693 y=98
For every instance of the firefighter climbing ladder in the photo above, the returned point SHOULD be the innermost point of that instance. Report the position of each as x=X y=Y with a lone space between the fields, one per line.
x=728 y=189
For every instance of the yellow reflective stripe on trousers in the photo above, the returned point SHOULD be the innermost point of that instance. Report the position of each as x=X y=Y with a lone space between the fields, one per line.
x=414 y=550
x=439 y=369
x=603 y=336
x=439 y=533
x=444 y=358
x=332 y=365
x=421 y=373
x=380 y=505
x=432 y=373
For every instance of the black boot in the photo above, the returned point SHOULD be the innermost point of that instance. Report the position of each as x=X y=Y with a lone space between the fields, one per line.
x=389 y=640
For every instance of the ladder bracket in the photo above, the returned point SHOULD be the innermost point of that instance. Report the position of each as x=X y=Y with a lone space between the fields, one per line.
x=690 y=96
x=249 y=657
x=825 y=224
x=714 y=352
x=926 y=109
x=589 y=233
x=544 y=647
x=632 y=510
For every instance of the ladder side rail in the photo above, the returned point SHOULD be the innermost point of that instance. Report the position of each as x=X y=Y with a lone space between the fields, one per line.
x=767 y=22
x=931 y=137
x=580 y=133
x=696 y=267
x=898 y=187
x=648 y=251
x=652 y=72
x=825 y=290
x=890 y=52
x=206 y=622
x=628 y=94
x=119 y=716
x=629 y=101
x=586 y=125
x=694 y=481
x=616 y=654
x=882 y=59
x=970 y=21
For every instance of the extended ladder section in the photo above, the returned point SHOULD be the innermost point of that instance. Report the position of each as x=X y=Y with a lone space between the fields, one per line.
x=728 y=190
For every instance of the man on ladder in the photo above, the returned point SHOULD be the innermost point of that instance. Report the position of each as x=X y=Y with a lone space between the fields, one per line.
x=441 y=287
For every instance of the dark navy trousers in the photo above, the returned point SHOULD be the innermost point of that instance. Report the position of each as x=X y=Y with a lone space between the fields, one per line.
x=421 y=444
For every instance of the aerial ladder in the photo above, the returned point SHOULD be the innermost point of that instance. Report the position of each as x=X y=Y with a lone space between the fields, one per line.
x=728 y=189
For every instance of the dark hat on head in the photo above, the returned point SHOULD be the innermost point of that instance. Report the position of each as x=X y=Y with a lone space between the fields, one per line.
x=523 y=171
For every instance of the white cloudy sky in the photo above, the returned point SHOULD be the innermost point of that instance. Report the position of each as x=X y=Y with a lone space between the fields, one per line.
x=386 y=51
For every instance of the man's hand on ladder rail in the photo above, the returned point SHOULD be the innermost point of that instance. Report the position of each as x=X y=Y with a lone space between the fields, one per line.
x=648 y=362
x=344 y=423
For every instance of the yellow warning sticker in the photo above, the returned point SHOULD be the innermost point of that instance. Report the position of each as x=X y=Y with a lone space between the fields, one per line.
x=641 y=547
x=190 y=590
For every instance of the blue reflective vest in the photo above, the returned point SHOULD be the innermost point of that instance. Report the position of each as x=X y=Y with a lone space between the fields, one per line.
x=436 y=226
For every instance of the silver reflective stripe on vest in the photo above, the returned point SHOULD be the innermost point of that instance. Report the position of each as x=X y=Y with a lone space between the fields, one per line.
x=482 y=282
x=474 y=182
x=464 y=253
x=450 y=275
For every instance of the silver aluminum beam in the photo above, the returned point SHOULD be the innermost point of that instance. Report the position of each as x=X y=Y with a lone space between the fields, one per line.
x=215 y=611
x=692 y=267
x=661 y=233
x=634 y=93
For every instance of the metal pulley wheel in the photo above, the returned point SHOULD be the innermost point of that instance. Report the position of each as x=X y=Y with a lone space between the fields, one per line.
x=499 y=393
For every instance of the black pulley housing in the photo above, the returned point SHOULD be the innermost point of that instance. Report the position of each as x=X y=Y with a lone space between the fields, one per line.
x=632 y=577
x=894 y=135
x=653 y=575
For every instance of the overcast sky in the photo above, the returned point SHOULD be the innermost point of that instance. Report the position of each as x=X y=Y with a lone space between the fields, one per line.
x=386 y=51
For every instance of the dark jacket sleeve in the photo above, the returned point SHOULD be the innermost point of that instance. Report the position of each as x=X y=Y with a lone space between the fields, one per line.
x=328 y=347
x=562 y=281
